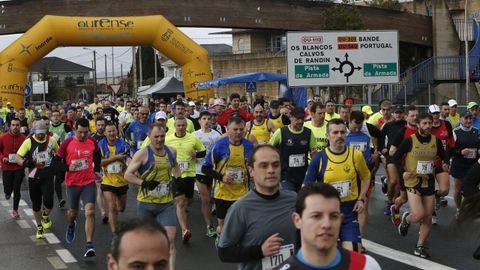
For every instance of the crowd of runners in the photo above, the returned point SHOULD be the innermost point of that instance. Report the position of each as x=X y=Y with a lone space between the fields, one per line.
x=289 y=187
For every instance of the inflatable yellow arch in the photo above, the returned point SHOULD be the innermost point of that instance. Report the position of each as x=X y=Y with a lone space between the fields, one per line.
x=54 y=31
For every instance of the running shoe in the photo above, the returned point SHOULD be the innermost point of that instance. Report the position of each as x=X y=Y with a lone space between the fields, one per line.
x=395 y=217
x=70 y=235
x=443 y=201
x=104 y=218
x=403 y=227
x=387 y=211
x=89 y=251
x=61 y=204
x=46 y=221
x=434 y=218
x=383 y=179
x=211 y=232
x=15 y=214
x=186 y=235
x=421 y=251
x=40 y=234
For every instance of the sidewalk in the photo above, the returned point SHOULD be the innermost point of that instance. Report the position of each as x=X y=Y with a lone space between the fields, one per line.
x=19 y=247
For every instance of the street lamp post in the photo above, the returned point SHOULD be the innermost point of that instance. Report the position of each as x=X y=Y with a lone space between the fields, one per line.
x=467 y=64
x=94 y=71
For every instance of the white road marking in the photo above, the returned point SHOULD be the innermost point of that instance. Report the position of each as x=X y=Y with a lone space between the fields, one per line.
x=23 y=224
x=22 y=203
x=51 y=238
x=403 y=257
x=28 y=212
x=4 y=203
x=56 y=262
x=66 y=256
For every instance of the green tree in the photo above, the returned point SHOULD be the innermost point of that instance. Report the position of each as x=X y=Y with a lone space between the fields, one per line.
x=148 y=66
x=386 y=4
x=342 y=16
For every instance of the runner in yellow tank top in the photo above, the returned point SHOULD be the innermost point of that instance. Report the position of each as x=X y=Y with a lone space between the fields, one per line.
x=420 y=150
x=260 y=127
x=115 y=157
x=155 y=164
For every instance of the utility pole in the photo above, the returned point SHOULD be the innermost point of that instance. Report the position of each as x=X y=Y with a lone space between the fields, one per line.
x=94 y=73
x=467 y=60
x=140 y=64
x=134 y=63
x=113 y=68
x=106 y=77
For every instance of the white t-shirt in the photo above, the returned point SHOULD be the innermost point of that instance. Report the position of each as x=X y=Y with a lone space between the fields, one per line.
x=124 y=116
x=207 y=139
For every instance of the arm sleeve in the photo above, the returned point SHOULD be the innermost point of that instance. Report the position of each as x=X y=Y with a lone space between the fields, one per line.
x=373 y=130
x=404 y=147
x=97 y=159
x=24 y=148
x=207 y=167
x=398 y=138
x=1 y=146
x=237 y=254
x=312 y=171
x=276 y=138
x=285 y=120
x=233 y=231
x=201 y=154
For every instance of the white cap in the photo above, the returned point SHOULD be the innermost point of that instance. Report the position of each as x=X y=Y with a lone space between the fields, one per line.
x=160 y=115
x=191 y=103
x=452 y=102
x=433 y=108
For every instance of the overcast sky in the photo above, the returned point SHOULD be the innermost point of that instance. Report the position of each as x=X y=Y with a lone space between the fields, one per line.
x=122 y=55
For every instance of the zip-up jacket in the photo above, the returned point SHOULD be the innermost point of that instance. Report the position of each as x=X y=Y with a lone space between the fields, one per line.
x=9 y=144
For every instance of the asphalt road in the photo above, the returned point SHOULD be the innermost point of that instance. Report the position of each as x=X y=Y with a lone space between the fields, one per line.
x=450 y=246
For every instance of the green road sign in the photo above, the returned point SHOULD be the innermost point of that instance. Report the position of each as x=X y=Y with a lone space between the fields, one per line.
x=379 y=69
x=312 y=71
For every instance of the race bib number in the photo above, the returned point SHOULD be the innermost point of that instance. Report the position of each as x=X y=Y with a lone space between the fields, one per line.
x=161 y=190
x=23 y=129
x=115 y=167
x=271 y=262
x=343 y=187
x=236 y=174
x=80 y=164
x=139 y=144
x=295 y=161
x=424 y=167
x=360 y=146
x=11 y=158
x=184 y=165
x=472 y=153
x=42 y=157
